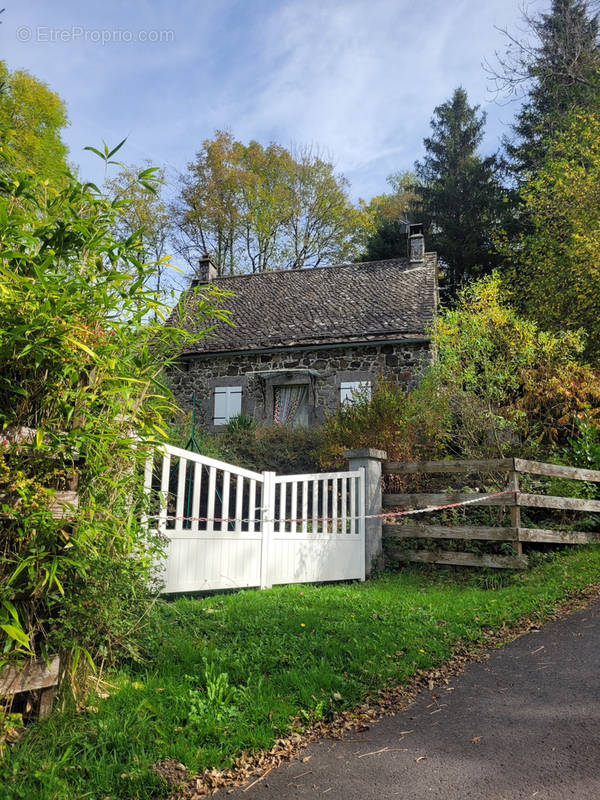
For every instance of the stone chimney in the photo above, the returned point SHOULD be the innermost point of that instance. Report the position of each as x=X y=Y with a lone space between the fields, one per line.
x=206 y=271
x=416 y=244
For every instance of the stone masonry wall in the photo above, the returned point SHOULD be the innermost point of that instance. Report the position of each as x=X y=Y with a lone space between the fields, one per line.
x=402 y=362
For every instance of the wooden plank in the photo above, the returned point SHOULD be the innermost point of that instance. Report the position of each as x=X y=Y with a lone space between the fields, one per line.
x=557 y=537
x=469 y=532
x=46 y=700
x=34 y=675
x=437 y=467
x=60 y=507
x=18 y=435
x=423 y=500
x=556 y=470
x=459 y=559
x=63 y=505
x=564 y=503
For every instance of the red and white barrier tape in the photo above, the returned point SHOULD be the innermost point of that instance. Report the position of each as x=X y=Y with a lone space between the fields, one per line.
x=427 y=510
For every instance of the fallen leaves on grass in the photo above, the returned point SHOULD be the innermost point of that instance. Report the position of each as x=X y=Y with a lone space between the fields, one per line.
x=173 y=772
x=386 y=702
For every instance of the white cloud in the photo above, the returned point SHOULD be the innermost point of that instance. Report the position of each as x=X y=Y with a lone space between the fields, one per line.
x=359 y=78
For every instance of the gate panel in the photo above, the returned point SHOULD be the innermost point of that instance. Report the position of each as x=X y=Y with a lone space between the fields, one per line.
x=227 y=527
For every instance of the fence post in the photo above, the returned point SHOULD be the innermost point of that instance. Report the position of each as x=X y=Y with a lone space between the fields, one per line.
x=267 y=526
x=370 y=459
x=515 y=510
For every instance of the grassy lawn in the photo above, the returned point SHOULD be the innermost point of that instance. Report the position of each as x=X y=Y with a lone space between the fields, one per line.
x=226 y=673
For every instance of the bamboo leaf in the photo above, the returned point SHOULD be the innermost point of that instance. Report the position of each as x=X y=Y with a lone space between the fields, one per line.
x=18 y=634
x=81 y=345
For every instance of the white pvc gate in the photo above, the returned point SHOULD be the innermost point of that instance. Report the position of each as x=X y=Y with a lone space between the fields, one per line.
x=229 y=527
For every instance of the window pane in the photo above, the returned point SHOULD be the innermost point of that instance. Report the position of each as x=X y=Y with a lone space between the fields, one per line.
x=348 y=388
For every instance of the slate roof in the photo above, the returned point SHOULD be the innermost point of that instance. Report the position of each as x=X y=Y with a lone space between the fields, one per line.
x=376 y=300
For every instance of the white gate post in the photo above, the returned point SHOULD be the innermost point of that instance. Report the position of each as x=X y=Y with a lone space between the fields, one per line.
x=267 y=527
x=370 y=459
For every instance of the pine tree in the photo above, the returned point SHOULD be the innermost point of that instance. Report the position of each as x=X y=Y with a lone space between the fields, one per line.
x=560 y=72
x=459 y=193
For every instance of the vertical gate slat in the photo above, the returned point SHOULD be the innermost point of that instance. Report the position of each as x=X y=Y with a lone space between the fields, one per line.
x=334 y=505
x=315 y=508
x=304 y=506
x=225 y=504
x=212 y=490
x=282 y=503
x=344 y=504
x=181 y=469
x=252 y=507
x=148 y=472
x=325 y=513
x=353 y=505
x=164 y=493
x=239 y=499
x=294 y=514
x=196 y=496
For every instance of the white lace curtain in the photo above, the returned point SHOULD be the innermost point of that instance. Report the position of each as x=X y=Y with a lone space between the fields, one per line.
x=288 y=400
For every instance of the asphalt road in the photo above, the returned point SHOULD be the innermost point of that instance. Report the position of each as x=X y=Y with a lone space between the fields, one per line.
x=523 y=724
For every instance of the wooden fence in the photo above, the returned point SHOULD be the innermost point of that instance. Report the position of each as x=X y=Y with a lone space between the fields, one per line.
x=511 y=498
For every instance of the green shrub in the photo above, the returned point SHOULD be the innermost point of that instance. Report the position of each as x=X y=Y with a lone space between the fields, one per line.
x=82 y=349
x=407 y=426
x=498 y=386
x=279 y=448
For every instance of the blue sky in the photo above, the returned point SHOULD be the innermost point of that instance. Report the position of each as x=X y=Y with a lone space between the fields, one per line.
x=358 y=79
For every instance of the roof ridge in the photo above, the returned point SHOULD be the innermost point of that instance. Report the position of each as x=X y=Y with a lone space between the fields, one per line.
x=325 y=266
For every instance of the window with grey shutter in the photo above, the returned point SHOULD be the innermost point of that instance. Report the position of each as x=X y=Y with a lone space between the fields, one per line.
x=228 y=404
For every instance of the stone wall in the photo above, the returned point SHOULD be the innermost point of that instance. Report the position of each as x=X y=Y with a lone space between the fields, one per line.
x=322 y=370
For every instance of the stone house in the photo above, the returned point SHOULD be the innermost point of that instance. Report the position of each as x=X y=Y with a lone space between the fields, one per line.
x=302 y=341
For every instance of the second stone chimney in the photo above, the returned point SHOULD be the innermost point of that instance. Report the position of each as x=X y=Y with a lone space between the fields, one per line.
x=206 y=271
x=416 y=244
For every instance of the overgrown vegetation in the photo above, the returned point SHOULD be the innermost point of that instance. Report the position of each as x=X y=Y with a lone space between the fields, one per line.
x=552 y=268
x=280 y=448
x=80 y=392
x=499 y=386
x=230 y=674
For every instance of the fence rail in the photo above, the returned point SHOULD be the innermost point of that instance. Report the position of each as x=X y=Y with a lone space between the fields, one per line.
x=513 y=500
